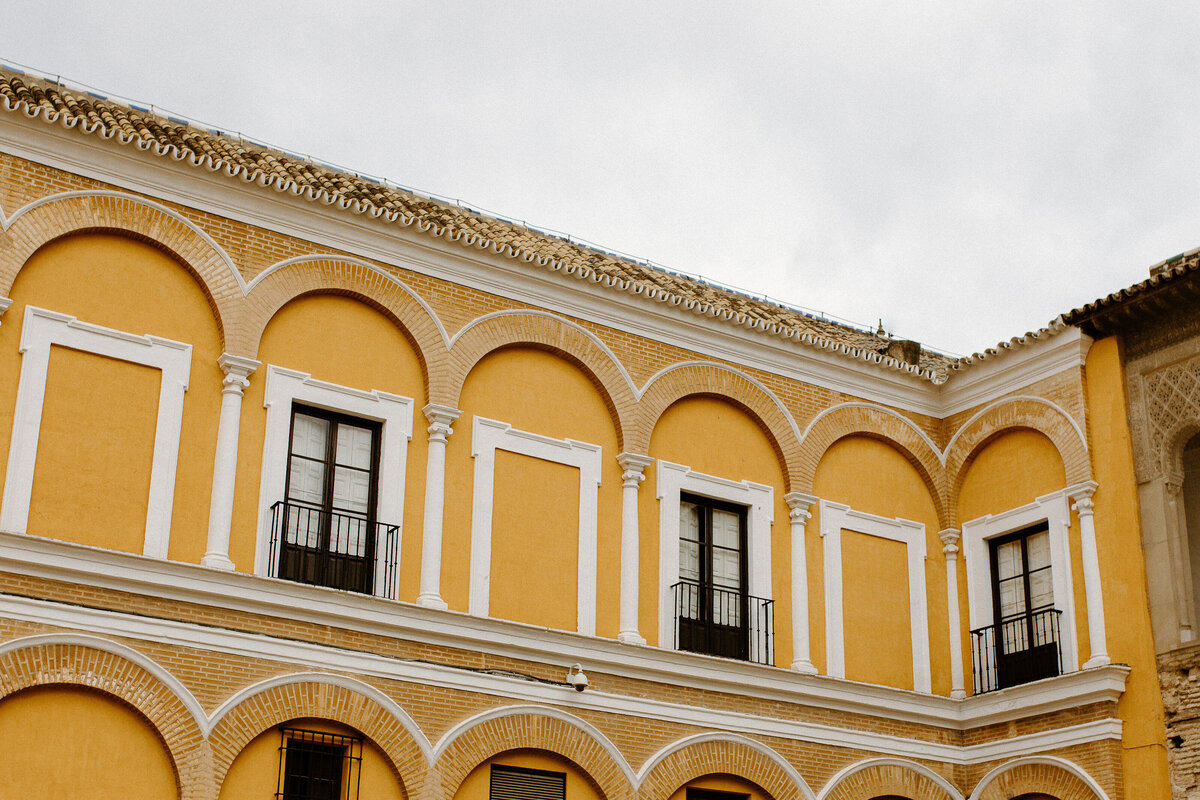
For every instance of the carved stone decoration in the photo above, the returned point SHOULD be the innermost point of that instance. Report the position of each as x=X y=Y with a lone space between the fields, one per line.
x=1164 y=410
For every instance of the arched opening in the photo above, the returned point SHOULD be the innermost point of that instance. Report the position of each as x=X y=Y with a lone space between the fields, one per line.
x=720 y=787
x=518 y=774
x=1190 y=495
x=66 y=741
x=312 y=758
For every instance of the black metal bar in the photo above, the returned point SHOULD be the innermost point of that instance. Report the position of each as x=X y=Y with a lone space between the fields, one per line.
x=1018 y=649
x=723 y=622
x=342 y=551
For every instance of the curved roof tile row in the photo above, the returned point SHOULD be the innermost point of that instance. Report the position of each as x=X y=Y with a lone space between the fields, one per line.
x=253 y=162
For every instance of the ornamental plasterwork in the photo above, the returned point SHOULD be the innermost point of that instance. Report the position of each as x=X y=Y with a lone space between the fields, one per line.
x=1164 y=408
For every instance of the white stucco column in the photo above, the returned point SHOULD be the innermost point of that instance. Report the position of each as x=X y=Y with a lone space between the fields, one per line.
x=1083 y=506
x=799 y=516
x=440 y=419
x=950 y=538
x=237 y=371
x=633 y=467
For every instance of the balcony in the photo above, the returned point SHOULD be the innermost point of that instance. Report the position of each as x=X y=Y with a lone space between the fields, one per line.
x=341 y=551
x=1020 y=649
x=723 y=622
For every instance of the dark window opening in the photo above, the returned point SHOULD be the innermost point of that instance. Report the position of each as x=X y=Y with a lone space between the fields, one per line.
x=324 y=532
x=522 y=783
x=714 y=794
x=318 y=766
x=1021 y=645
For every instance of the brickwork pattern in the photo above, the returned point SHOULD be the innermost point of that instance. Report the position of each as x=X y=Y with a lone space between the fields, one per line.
x=888 y=778
x=1037 y=778
x=728 y=756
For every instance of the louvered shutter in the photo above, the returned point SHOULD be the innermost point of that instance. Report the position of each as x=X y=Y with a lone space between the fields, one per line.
x=518 y=783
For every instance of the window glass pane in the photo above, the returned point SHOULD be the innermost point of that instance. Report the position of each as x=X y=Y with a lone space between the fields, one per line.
x=303 y=526
x=727 y=568
x=726 y=529
x=351 y=490
x=1041 y=589
x=1008 y=559
x=348 y=536
x=354 y=446
x=309 y=436
x=1012 y=597
x=306 y=482
x=689 y=522
x=689 y=560
x=1038 y=548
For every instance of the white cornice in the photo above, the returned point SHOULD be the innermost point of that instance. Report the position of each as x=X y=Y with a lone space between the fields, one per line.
x=89 y=566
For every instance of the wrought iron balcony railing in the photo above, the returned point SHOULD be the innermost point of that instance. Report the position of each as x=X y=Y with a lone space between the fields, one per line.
x=723 y=622
x=1018 y=649
x=342 y=551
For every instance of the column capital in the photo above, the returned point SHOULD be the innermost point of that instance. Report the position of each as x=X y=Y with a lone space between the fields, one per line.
x=1173 y=483
x=440 y=419
x=634 y=462
x=5 y=303
x=950 y=538
x=1082 y=491
x=799 y=503
x=238 y=370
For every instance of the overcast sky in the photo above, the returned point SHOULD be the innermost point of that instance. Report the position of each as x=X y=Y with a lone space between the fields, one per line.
x=965 y=171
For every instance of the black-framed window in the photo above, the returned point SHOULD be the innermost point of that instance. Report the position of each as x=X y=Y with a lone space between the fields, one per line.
x=712 y=597
x=1025 y=620
x=523 y=783
x=314 y=765
x=696 y=793
x=330 y=499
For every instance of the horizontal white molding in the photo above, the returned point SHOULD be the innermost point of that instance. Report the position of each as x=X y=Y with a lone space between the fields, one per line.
x=95 y=567
x=365 y=237
x=307 y=655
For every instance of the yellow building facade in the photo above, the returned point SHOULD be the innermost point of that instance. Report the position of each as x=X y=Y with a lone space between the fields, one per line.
x=316 y=487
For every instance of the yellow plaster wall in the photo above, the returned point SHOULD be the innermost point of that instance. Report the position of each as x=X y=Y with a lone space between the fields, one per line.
x=117 y=282
x=1123 y=576
x=346 y=342
x=874 y=477
x=579 y=786
x=62 y=741
x=875 y=602
x=539 y=392
x=254 y=774
x=715 y=437
x=535 y=551
x=721 y=783
x=91 y=482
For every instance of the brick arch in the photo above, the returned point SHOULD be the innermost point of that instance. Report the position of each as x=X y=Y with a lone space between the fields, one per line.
x=862 y=419
x=114 y=669
x=534 y=728
x=545 y=331
x=1004 y=416
x=1038 y=775
x=289 y=280
x=725 y=753
x=888 y=776
x=260 y=707
x=725 y=383
x=51 y=218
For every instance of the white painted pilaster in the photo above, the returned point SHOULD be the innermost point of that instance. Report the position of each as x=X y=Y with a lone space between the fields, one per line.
x=440 y=419
x=633 y=468
x=1084 y=506
x=950 y=538
x=799 y=516
x=237 y=371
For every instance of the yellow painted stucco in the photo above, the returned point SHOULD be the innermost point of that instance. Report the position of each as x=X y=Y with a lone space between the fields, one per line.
x=542 y=393
x=254 y=774
x=874 y=477
x=91 y=482
x=63 y=741
x=1123 y=574
x=535 y=550
x=117 y=282
x=345 y=342
x=579 y=786
x=717 y=438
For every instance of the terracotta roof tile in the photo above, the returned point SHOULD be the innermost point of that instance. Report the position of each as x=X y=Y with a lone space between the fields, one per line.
x=112 y=119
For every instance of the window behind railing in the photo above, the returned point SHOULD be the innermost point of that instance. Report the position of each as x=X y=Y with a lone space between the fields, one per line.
x=326 y=548
x=314 y=765
x=721 y=622
x=1020 y=649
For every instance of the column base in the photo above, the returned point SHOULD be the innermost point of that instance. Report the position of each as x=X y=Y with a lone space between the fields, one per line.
x=1097 y=661
x=630 y=637
x=432 y=601
x=958 y=694
x=217 y=561
x=804 y=667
